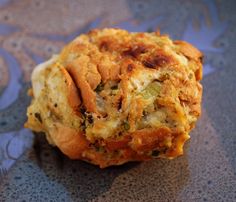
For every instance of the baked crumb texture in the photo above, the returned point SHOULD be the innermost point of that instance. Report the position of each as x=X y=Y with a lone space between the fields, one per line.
x=112 y=96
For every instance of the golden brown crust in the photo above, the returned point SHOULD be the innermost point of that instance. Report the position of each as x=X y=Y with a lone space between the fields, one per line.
x=71 y=142
x=72 y=93
x=112 y=96
x=78 y=70
x=149 y=139
x=191 y=52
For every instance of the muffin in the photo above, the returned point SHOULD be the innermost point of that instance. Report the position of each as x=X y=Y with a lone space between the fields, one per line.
x=112 y=96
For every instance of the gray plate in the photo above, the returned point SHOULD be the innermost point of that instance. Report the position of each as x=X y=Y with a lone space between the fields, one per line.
x=31 y=31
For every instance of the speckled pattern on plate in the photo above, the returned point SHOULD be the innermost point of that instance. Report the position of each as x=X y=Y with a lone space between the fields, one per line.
x=31 y=31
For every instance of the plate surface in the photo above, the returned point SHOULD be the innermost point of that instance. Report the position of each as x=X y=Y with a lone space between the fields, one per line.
x=31 y=31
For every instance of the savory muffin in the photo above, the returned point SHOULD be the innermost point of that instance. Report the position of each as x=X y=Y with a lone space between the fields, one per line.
x=112 y=96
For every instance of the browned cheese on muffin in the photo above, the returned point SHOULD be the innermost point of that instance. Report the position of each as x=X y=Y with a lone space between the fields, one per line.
x=112 y=96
